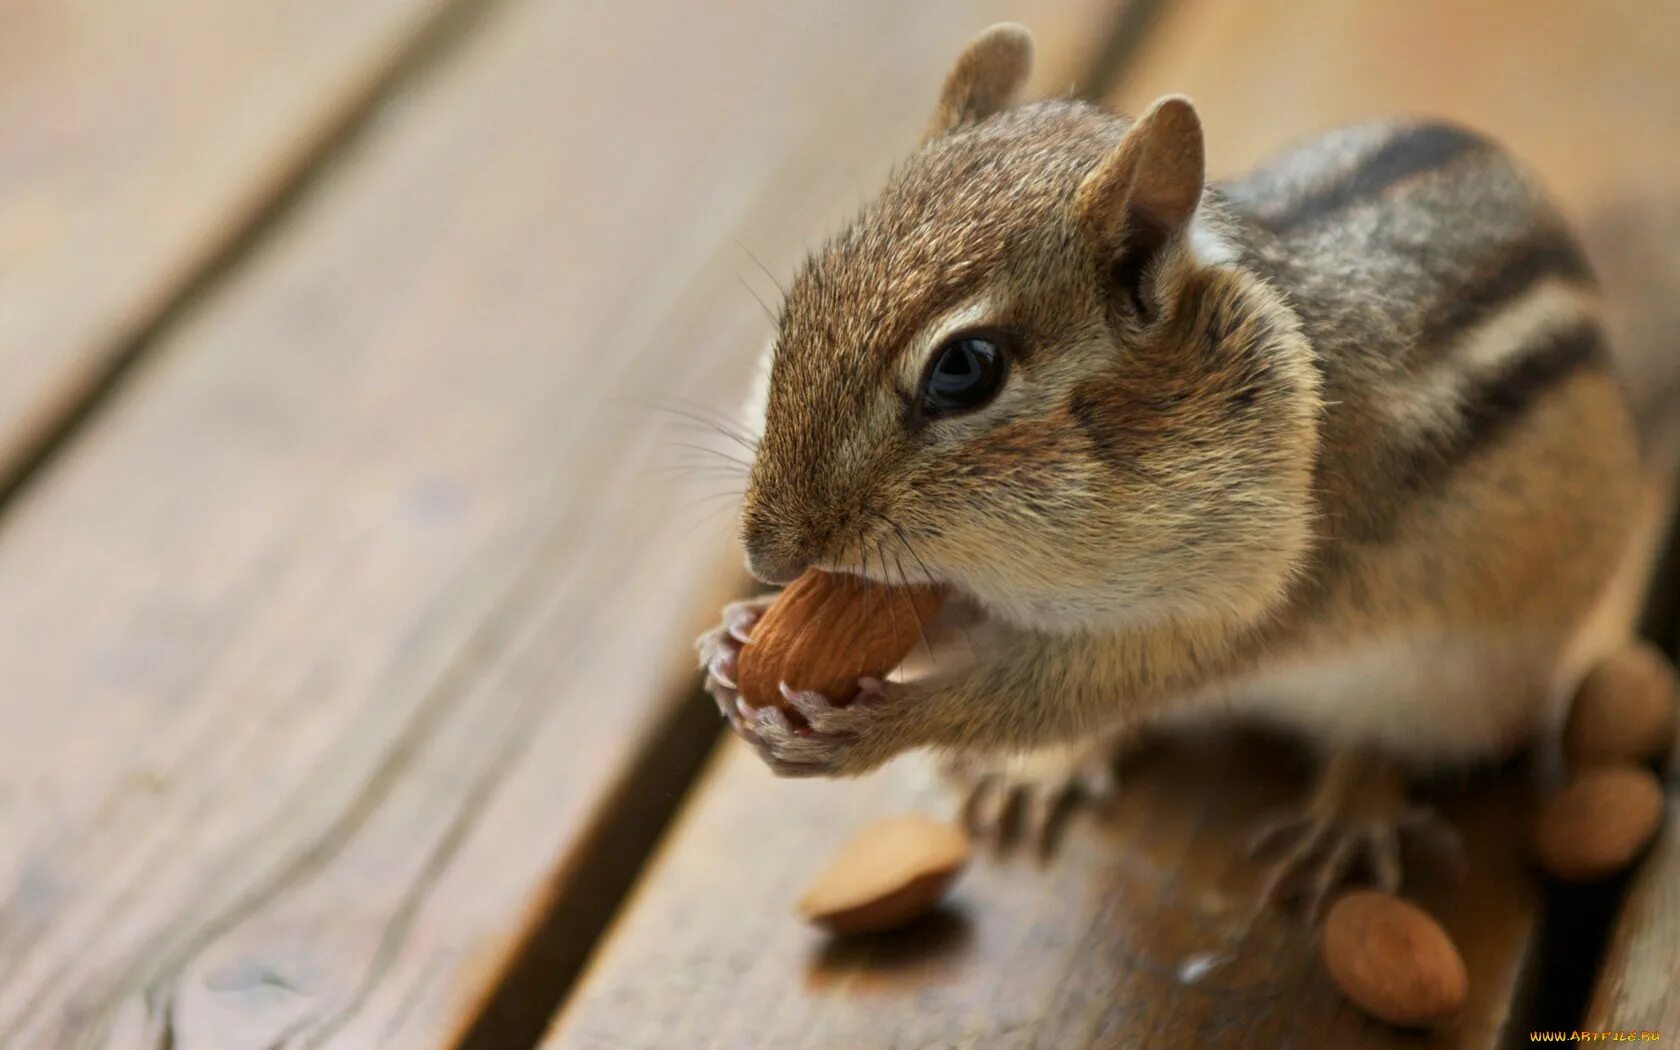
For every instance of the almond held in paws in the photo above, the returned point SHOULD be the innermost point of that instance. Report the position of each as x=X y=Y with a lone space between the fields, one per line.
x=1624 y=710
x=1393 y=960
x=827 y=630
x=889 y=873
x=1597 y=825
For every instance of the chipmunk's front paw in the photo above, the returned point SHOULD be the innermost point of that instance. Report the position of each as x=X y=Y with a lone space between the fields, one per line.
x=807 y=735
x=812 y=736
x=719 y=650
x=1011 y=797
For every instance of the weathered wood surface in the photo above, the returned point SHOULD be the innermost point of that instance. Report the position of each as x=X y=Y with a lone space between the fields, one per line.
x=333 y=644
x=1098 y=947
x=1088 y=951
x=1638 y=986
x=136 y=141
x=1579 y=91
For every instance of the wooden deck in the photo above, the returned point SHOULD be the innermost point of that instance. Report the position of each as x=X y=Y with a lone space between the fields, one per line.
x=349 y=557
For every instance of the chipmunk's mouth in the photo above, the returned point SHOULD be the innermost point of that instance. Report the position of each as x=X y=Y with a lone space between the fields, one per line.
x=888 y=559
x=960 y=631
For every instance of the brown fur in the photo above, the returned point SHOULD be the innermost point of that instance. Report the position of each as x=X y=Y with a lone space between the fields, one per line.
x=1248 y=429
x=987 y=78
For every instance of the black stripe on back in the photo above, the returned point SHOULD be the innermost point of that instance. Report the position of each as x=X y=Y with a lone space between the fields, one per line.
x=1550 y=255
x=1488 y=412
x=1491 y=409
x=1410 y=152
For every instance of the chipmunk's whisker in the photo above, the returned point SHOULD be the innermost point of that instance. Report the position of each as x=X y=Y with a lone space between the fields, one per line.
x=718 y=452
x=870 y=586
x=708 y=507
x=904 y=541
x=775 y=322
x=915 y=555
x=921 y=628
x=709 y=419
x=694 y=470
x=762 y=268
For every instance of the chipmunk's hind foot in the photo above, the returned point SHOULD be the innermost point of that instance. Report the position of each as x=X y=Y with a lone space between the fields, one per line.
x=1357 y=822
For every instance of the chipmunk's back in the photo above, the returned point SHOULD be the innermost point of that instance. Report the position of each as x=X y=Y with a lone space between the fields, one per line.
x=1441 y=291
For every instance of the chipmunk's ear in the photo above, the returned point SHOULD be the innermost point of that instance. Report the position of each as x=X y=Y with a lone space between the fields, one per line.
x=987 y=78
x=1145 y=192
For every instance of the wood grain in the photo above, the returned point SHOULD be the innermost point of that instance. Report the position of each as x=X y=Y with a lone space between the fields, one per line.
x=137 y=141
x=1098 y=947
x=331 y=646
x=1638 y=987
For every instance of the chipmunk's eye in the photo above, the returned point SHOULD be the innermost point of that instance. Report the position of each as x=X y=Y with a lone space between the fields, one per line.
x=965 y=373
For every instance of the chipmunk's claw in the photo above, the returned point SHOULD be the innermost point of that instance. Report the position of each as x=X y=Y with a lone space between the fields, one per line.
x=1325 y=845
x=739 y=617
x=789 y=750
x=830 y=719
x=1023 y=798
x=811 y=736
x=1320 y=857
x=719 y=650
x=807 y=735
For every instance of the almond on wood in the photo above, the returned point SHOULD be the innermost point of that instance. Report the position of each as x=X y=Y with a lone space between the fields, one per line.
x=1597 y=825
x=1624 y=710
x=888 y=874
x=1393 y=960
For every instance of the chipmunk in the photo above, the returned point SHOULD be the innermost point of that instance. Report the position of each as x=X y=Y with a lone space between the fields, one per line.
x=1336 y=444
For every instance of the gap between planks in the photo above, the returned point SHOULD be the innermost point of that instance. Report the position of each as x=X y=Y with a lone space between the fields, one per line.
x=1579 y=924
x=583 y=901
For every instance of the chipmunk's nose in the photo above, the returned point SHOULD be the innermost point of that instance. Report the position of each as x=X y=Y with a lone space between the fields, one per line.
x=776 y=572
x=771 y=554
x=774 y=567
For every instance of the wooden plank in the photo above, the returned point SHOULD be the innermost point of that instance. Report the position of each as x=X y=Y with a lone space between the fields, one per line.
x=1638 y=983
x=1638 y=986
x=1561 y=84
x=1098 y=947
x=137 y=142
x=330 y=647
x=1091 y=949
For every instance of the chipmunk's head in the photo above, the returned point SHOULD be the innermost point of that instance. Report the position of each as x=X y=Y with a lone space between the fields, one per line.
x=1033 y=368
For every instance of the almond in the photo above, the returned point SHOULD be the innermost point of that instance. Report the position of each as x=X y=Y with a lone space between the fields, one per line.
x=889 y=873
x=1393 y=960
x=827 y=630
x=1624 y=711
x=1597 y=825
